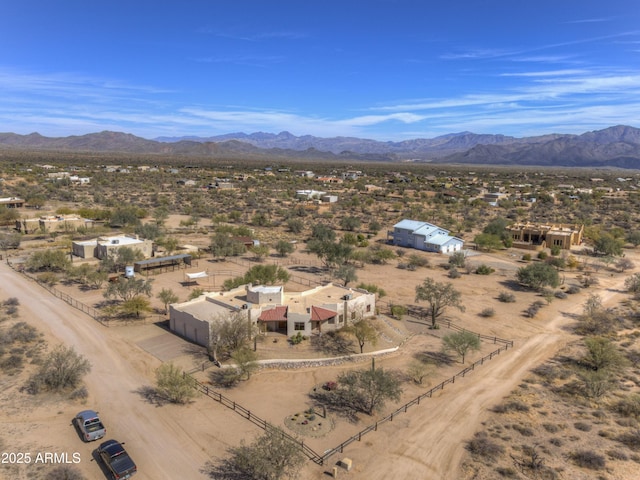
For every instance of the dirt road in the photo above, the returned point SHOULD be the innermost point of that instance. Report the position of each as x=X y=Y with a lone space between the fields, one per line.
x=159 y=439
x=429 y=442
x=174 y=442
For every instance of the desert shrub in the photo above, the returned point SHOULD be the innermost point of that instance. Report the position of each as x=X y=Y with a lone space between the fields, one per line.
x=582 y=426
x=542 y=255
x=617 y=455
x=64 y=472
x=20 y=332
x=48 y=278
x=12 y=362
x=506 y=297
x=63 y=368
x=532 y=310
x=560 y=294
x=555 y=441
x=80 y=394
x=588 y=459
x=526 y=257
x=507 y=472
x=511 y=406
x=628 y=406
x=630 y=438
x=550 y=372
x=484 y=447
x=523 y=430
x=398 y=311
x=487 y=312
x=484 y=270
x=12 y=301
x=454 y=273
x=551 y=427
x=573 y=289
x=172 y=385
x=417 y=261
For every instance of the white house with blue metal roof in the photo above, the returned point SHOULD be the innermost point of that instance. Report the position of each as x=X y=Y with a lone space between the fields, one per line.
x=424 y=236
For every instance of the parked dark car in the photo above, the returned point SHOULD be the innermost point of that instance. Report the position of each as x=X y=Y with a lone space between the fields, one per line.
x=117 y=460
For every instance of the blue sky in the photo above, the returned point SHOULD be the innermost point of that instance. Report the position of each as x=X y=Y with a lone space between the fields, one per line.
x=381 y=69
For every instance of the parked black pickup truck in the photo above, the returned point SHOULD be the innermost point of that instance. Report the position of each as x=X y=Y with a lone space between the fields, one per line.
x=117 y=460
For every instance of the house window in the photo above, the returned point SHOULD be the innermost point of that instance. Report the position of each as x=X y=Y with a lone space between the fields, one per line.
x=368 y=307
x=353 y=315
x=332 y=321
x=298 y=326
x=340 y=318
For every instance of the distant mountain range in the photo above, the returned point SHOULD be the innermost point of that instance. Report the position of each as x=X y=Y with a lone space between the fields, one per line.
x=617 y=146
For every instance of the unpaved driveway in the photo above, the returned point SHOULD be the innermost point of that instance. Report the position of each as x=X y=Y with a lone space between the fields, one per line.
x=175 y=442
x=159 y=439
x=429 y=442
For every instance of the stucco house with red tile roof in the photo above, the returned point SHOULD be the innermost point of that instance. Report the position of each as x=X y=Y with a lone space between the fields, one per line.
x=320 y=309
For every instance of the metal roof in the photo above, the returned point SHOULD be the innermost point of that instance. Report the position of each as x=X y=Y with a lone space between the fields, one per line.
x=182 y=256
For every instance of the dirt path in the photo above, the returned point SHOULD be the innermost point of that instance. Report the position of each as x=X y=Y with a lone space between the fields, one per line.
x=175 y=442
x=158 y=439
x=430 y=441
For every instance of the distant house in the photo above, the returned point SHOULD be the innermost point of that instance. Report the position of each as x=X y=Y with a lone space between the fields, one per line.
x=310 y=194
x=533 y=236
x=186 y=183
x=12 y=202
x=493 y=198
x=329 y=179
x=102 y=246
x=352 y=174
x=320 y=309
x=53 y=223
x=424 y=236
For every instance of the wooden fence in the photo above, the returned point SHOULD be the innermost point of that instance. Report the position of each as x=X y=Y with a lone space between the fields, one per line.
x=92 y=312
x=322 y=459
x=253 y=418
x=416 y=401
x=308 y=451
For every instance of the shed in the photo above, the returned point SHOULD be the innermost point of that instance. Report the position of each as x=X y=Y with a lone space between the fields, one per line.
x=162 y=264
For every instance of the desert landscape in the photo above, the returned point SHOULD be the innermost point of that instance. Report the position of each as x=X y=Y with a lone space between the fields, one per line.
x=429 y=440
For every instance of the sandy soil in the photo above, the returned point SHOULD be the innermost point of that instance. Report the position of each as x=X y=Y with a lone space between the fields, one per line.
x=172 y=442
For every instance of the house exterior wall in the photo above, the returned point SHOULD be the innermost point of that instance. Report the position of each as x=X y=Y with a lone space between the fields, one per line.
x=189 y=327
x=62 y=223
x=145 y=246
x=294 y=319
x=83 y=250
x=403 y=237
x=265 y=295
x=28 y=225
